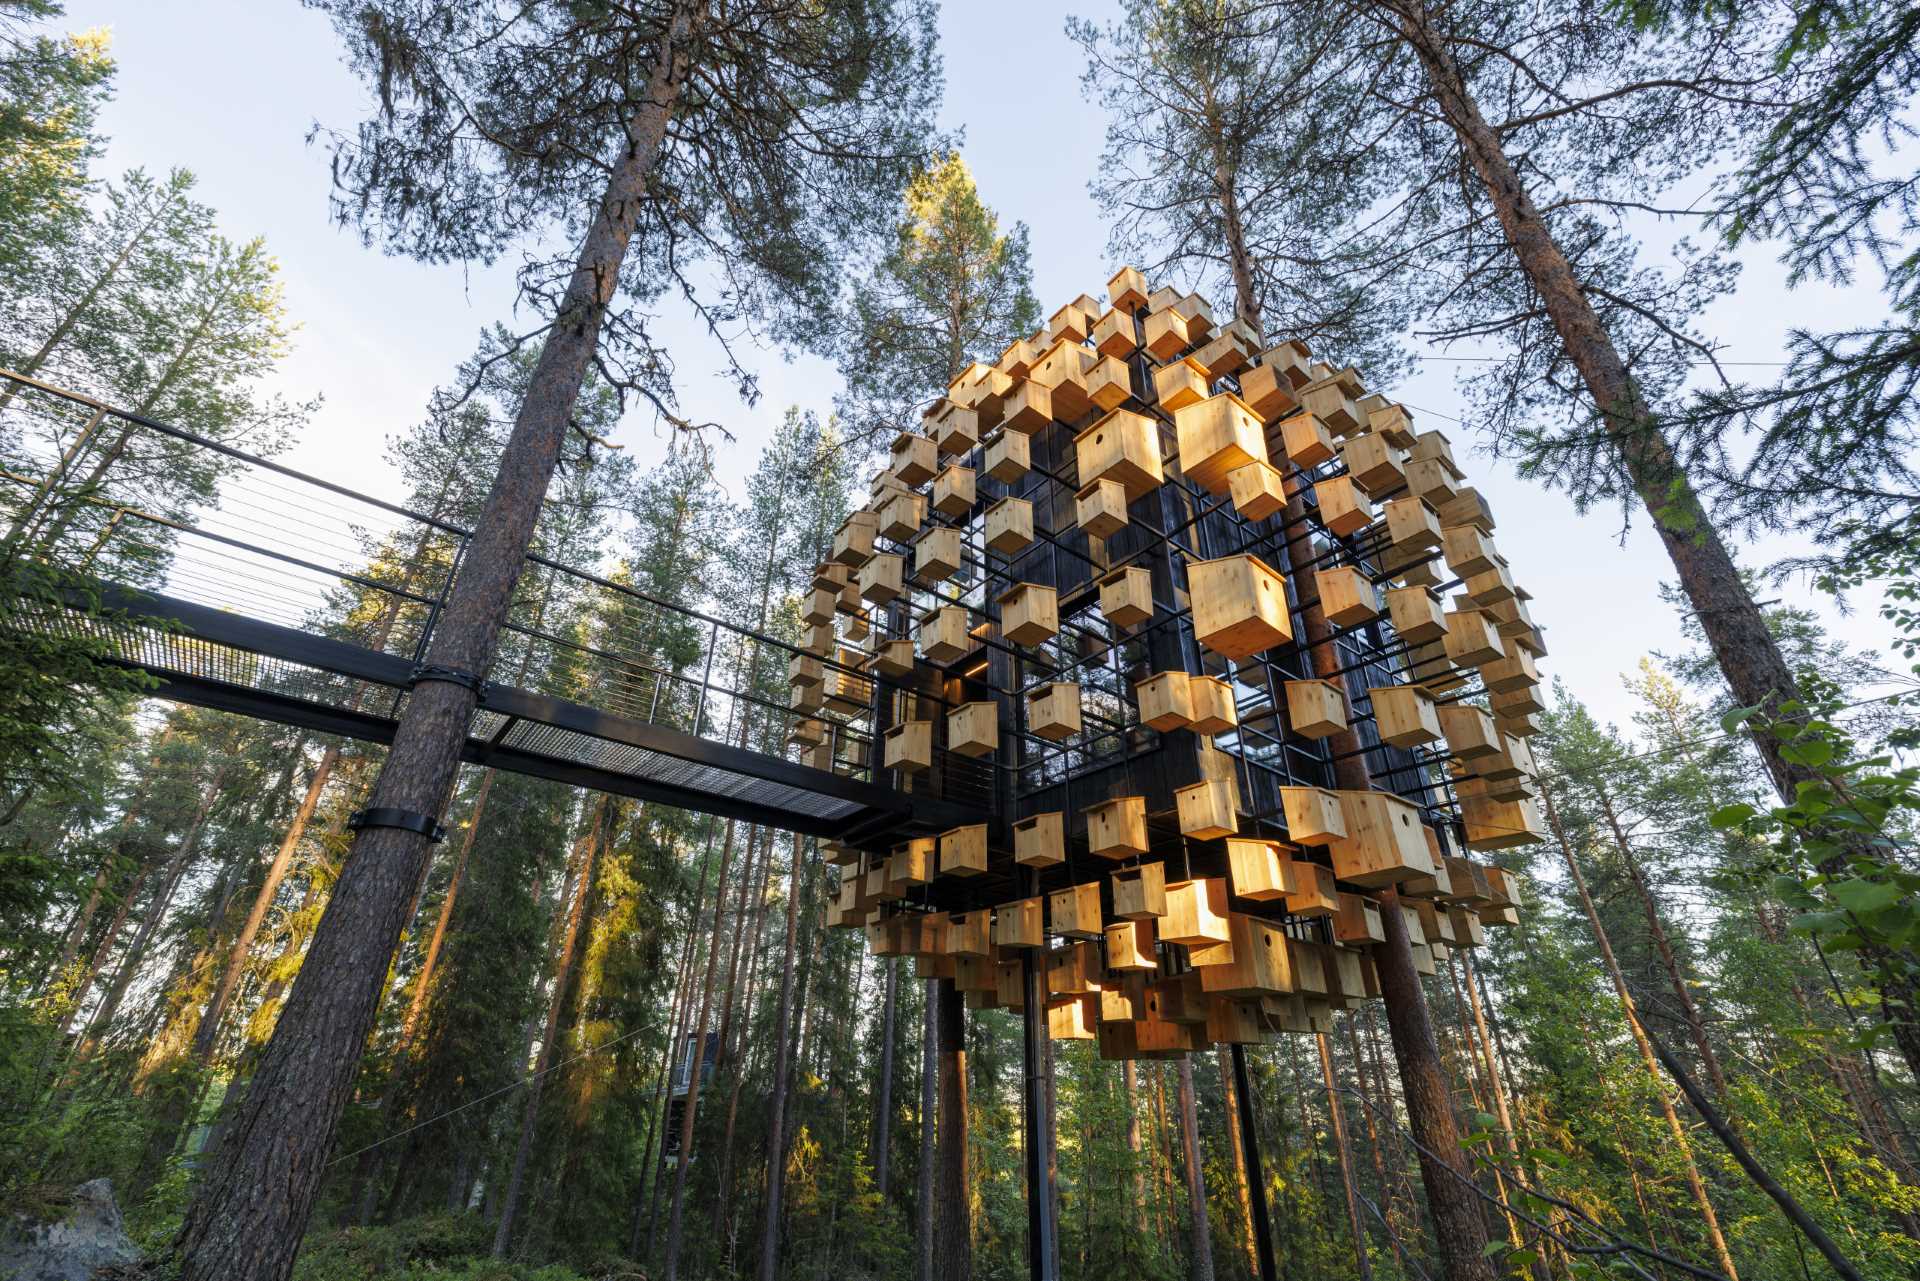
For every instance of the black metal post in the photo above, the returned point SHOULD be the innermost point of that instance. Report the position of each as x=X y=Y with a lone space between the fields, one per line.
x=1040 y=1224
x=1256 y=1176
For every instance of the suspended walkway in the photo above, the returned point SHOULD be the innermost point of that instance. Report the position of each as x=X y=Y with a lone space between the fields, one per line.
x=240 y=584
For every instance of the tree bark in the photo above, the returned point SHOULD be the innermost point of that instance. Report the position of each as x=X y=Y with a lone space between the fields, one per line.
x=777 y=1105
x=1199 y=1232
x=952 y=1220
x=1239 y=1156
x=247 y=1220
x=883 y=1089
x=1127 y=1087
x=1362 y=1261
x=929 y=1073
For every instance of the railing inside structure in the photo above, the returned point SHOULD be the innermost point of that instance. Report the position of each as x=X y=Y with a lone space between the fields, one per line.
x=244 y=584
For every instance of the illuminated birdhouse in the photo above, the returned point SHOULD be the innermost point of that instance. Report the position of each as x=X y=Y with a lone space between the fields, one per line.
x=1074 y=912
x=1260 y=962
x=1117 y=828
x=1027 y=409
x=882 y=579
x=1344 y=510
x=1471 y=638
x=902 y=515
x=1215 y=436
x=1311 y=891
x=853 y=541
x=1223 y=356
x=1029 y=614
x=973 y=729
x=1063 y=371
x=1196 y=913
x=1213 y=709
x=1128 y=290
x=1009 y=526
x=1115 y=334
x=953 y=490
x=1165 y=334
x=1009 y=456
x=1074 y=321
x=1239 y=605
x=1199 y=316
x=1140 y=893
x=1207 y=810
x=1165 y=700
x=1077 y=1018
x=1130 y=946
x=1101 y=509
x=1357 y=922
x=1109 y=383
x=1313 y=815
x=1267 y=392
x=1126 y=596
x=1316 y=708
x=909 y=746
x=1040 y=840
x=1374 y=464
x=1255 y=870
x=937 y=555
x=1257 y=490
x=1182 y=383
x=914 y=458
x=1053 y=711
x=1411 y=524
x=1073 y=969
x=1123 y=446
x=1385 y=841
x=1347 y=597
x=1123 y=1001
x=963 y=851
x=1017 y=924
x=943 y=637
x=912 y=863
x=1404 y=715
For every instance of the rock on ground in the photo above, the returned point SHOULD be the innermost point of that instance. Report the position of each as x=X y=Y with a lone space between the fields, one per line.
x=89 y=1235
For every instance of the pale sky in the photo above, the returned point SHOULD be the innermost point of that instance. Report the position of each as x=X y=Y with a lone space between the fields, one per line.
x=231 y=88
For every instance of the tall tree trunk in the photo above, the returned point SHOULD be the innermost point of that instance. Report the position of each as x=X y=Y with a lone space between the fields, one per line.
x=246 y=1222
x=1354 y=1224
x=1756 y=671
x=1128 y=1085
x=777 y=1105
x=1708 y=1219
x=723 y=1199
x=929 y=1075
x=883 y=1088
x=583 y=881
x=1237 y=1154
x=952 y=1219
x=1199 y=1232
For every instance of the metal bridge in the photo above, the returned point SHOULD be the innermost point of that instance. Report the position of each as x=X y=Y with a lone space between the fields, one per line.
x=246 y=586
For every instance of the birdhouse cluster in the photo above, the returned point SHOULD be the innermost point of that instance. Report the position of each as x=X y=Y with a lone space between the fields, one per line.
x=1218 y=644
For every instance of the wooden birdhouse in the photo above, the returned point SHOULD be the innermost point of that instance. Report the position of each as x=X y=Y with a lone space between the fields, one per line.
x=1101 y=509
x=1109 y=383
x=1257 y=490
x=1404 y=715
x=914 y=458
x=1072 y=323
x=807 y=731
x=1114 y=335
x=1165 y=700
x=1073 y=969
x=969 y=934
x=1063 y=371
x=1467 y=507
x=1492 y=586
x=1374 y=464
x=820 y=606
x=1392 y=422
x=1076 y=1018
x=1314 y=816
x=892 y=659
x=953 y=490
x=1053 y=711
x=1140 y=893
x=1199 y=316
x=1471 y=638
x=807 y=698
x=1029 y=614
x=1009 y=526
x=1123 y=1001
x=1316 y=708
x=1026 y=409
x=1213 y=708
x=902 y=515
x=1215 y=436
x=1347 y=597
x=804 y=669
x=1128 y=290
x=1178 y=998
x=909 y=746
x=912 y=863
x=963 y=851
x=1267 y=392
x=1255 y=870
x=1411 y=524
x=1416 y=614
x=1344 y=510
x=1123 y=446
x=1515 y=671
x=1182 y=383
x=1469 y=880
x=955 y=431
x=1009 y=456
x=1427 y=479
x=1196 y=913
x=853 y=541
x=1126 y=596
x=1165 y=334
x=1357 y=921
x=1309 y=967
x=882 y=579
x=1117 y=828
x=1385 y=841
x=1259 y=962
x=1310 y=889
x=1040 y=840
x=943 y=636
x=1074 y=912
x=1018 y=924
x=937 y=555
x=973 y=729
x=1239 y=605
x=1329 y=402
x=1223 y=356
x=1467 y=550
x=1130 y=946
x=1235 y=1021
x=1207 y=810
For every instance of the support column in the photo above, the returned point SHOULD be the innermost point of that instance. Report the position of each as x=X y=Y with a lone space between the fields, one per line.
x=1256 y=1173
x=1040 y=1205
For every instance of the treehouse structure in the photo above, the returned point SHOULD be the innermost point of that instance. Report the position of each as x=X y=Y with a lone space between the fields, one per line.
x=1220 y=649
